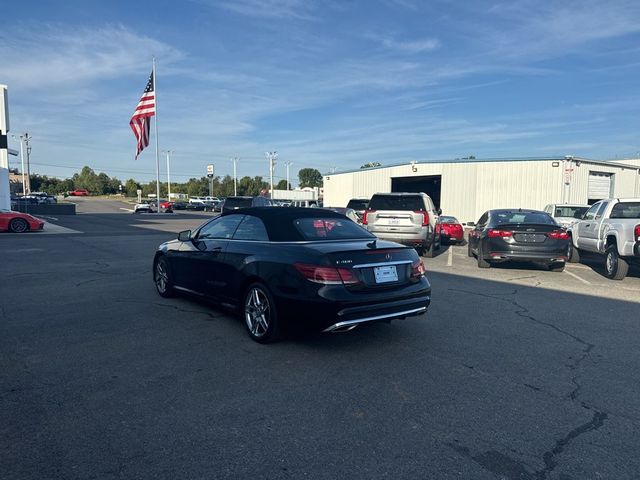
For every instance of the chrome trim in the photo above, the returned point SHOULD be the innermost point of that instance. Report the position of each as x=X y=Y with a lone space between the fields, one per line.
x=347 y=323
x=382 y=264
x=182 y=289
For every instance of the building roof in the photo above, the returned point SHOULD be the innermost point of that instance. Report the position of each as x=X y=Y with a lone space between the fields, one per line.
x=608 y=163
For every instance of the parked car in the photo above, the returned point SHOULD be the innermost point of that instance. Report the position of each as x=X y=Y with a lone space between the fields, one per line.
x=179 y=205
x=285 y=266
x=565 y=214
x=350 y=213
x=79 y=192
x=611 y=229
x=234 y=203
x=210 y=206
x=451 y=229
x=143 y=207
x=359 y=205
x=407 y=218
x=16 y=222
x=518 y=235
x=195 y=206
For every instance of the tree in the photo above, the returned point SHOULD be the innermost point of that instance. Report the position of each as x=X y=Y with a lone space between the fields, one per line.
x=309 y=177
x=371 y=165
x=282 y=185
x=131 y=188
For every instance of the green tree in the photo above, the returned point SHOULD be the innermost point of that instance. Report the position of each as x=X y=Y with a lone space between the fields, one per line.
x=282 y=185
x=309 y=177
x=131 y=188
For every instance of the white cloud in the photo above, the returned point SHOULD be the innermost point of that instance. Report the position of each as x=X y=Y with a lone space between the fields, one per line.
x=280 y=9
x=414 y=46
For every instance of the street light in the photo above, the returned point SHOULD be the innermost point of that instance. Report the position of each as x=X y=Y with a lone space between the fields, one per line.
x=288 y=164
x=272 y=157
x=235 y=183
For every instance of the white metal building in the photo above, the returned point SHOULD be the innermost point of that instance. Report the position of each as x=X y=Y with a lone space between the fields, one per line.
x=466 y=188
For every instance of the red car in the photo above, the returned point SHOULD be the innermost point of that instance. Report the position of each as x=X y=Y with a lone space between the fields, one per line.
x=79 y=192
x=17 y=222
x=451 y=230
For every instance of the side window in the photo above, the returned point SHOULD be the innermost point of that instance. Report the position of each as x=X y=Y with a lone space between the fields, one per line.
x=591 y=213
x=251 y=228
x=221 y=227
x=548 y=209
x=601 y=210
x=483 y=219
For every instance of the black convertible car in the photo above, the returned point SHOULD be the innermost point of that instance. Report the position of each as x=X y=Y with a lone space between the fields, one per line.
x=278 y=266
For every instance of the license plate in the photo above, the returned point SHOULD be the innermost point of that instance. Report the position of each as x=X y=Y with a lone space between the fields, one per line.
x=386 y=274
x=394 y=221
x=529 y=237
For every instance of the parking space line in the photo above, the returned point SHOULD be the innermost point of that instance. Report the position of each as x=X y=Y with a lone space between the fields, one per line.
x=450 y=258
x=586 y=282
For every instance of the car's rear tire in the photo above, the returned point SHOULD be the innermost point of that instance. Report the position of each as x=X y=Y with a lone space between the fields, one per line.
x=556 y=267
x=616 y=267
x=162 y=277
x=429 y=251
x=482 y=263
x=574 y=253
x=260 y=315
x=18 y=225
x=469 y=251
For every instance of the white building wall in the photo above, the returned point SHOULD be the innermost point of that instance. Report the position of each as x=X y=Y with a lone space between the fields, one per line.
x=470 y=188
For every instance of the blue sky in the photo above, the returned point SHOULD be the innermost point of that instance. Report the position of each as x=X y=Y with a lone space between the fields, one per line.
x=324 y=83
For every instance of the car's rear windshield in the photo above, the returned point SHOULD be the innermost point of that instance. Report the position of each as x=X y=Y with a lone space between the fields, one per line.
x=358 y=204
x=396 y=202
x=330 y=228
x=238 y=202
x=445 y=219
x=626 y=210
x=573 y=212
x=522 y=217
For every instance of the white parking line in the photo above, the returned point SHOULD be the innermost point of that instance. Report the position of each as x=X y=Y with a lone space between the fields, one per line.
x=586 y=282
x=450 y=259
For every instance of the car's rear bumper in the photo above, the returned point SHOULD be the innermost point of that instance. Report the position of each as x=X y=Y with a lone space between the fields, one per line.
x=539 y=257
x=423 y=238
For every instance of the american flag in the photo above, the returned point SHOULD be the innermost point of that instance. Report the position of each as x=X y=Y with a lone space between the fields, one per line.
x=141 y=119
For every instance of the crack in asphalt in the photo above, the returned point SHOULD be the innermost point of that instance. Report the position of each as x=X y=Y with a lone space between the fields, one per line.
x=506 y=467
x=175 y=307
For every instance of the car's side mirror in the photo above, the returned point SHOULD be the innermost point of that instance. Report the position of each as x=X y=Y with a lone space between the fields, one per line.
x=439 y=211
x=184 y=236
x=471 y=224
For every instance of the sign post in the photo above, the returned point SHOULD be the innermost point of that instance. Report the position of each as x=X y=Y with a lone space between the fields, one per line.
x=210 y=174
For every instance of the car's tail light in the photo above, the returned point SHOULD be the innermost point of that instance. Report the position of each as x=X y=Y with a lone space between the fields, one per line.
x=326 y=275
x=492 y=233
x=558 y=235
x=364 y=216
x=417 y=269
x=425 y=217
x=636 y=233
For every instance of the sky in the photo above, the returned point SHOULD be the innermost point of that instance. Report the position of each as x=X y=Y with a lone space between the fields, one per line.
x=329 y=84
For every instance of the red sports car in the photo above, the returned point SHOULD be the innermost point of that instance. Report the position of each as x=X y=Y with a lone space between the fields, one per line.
x=451 y=230
x=17 y=222
x=79 y=192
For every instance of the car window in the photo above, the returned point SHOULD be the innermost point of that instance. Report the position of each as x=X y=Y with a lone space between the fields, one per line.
x=602 y=209
x=574 y=212
x=331 y=228
x=591 y=213
x=251 y=228
x=522 y=217
x=397 y=202
x=358 y=204
x=446 y=219
x=221 y=227
x=483 y=219
x=626 y=210
x=231 y=203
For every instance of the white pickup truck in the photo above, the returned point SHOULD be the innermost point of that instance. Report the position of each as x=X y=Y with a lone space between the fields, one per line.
x=611 y=228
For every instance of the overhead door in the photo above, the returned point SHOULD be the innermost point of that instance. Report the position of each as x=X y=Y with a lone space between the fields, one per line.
x=599 y=186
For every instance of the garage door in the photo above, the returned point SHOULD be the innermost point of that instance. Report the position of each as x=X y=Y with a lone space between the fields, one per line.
x=599 y=185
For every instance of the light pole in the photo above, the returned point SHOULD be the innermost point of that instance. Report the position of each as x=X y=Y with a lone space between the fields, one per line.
x=26 y=140
x=272 y=156
x=24 y=185
x=168 y=153
x=235 y=183
x=288 y=164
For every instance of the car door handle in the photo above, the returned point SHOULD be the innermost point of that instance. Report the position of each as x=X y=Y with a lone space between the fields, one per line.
x=588 y=225
x=215 y=249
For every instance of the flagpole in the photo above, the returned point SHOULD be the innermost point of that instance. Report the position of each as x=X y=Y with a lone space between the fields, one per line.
x=155 y=122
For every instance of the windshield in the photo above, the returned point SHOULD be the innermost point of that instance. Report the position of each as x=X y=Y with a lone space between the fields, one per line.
x=238 y=203
x=331 y=228
x=522 y=217
x=626 y=210
x=574 y=212
x=449 y=220
x=396 y=202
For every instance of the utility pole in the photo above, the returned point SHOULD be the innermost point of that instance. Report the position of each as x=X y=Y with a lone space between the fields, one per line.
x=288 y=164
x=168 y=153
x=235 y=182
x=26 y=140
x=272 y=156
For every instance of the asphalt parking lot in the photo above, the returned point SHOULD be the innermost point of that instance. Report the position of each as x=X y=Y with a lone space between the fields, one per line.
x=514 y=372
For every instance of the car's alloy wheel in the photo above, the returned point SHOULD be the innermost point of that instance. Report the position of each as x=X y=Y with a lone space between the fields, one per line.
x=18 y=225
x=260 y=315
x=469 y=251
x=616 y=267
x=162 y=277
x=574 y=253
x=482 y=263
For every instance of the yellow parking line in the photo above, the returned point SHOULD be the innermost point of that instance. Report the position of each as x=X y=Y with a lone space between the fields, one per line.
x=586 y=282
